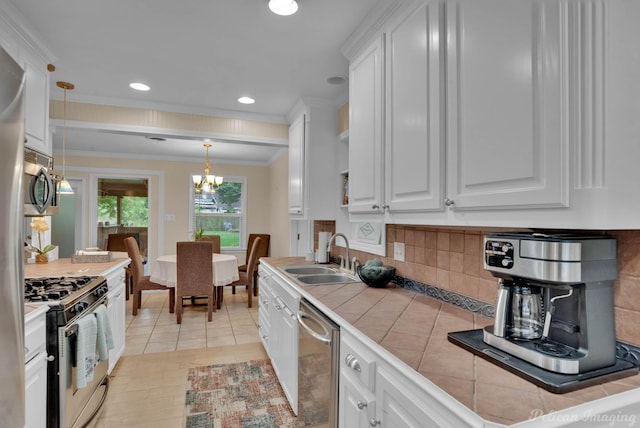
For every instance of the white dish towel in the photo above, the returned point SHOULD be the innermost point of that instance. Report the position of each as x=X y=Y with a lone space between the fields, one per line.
x=86 y=350
x=105 y=338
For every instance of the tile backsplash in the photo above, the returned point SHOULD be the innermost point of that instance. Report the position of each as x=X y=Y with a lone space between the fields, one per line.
x=451 y=259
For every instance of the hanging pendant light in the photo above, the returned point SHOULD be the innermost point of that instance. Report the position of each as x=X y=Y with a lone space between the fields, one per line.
x=208 y=182
x=64 y=187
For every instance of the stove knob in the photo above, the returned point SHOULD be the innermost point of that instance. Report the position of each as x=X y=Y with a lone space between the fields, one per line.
x=79 y=307
x=507 y=262
x=506 y=247
x=100 y=291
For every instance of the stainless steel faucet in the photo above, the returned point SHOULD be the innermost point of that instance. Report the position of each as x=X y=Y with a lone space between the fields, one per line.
x=346 y=241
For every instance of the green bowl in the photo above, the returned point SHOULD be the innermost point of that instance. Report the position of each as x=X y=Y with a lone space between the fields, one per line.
x=379 y=280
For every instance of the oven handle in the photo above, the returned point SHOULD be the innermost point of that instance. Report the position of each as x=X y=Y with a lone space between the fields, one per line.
x=71 y=330
x=324 y=338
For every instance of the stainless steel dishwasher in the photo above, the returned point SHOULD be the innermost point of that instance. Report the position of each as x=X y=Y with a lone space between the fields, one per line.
x=318 y=367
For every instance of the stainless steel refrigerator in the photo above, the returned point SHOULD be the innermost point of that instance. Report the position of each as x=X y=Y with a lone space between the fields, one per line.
x=12 y=81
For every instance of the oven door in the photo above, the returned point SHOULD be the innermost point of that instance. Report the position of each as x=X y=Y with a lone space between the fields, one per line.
x=79 y=407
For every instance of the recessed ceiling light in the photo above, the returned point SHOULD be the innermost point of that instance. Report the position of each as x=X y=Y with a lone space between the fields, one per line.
x=139 y=86
x=283 y=7
x=336 y=80
x=246 y=100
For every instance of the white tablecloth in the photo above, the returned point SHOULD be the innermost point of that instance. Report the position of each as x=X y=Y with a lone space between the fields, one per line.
x=225 y=270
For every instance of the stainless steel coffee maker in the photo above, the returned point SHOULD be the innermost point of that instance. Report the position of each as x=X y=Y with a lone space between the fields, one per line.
x=555 y=299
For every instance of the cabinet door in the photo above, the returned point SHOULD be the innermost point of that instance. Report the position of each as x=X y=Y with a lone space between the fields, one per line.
x=264 y=302
x=36 y=106
x=289 y=357
x=414 y=155
x=366 y=98
x=357 y=404
x=297 y=166
x=116 y=313
x=36 y=391
x=397 y=407
x=507 y=84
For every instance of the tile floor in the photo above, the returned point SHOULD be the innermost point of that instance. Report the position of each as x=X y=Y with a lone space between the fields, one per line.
x=147 y=387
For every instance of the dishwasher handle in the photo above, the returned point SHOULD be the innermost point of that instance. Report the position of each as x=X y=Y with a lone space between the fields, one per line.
x=324 y=337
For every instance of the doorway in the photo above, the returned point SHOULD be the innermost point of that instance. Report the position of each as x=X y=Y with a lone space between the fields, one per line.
x=66 y=226
x=122 y=208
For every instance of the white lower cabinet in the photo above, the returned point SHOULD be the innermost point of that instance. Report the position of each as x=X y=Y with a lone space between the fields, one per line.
x=357 y=404
x=116 y=314
x=264 y=303
x=374 y=392
x=402 y=405
x=357 y=384
x=35 y=379
x=280 y=326
x=35 y=393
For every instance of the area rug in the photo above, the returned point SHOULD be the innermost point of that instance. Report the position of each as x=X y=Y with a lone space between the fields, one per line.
x=240 y=395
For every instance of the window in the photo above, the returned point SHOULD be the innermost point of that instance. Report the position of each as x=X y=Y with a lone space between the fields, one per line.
x=221 y=211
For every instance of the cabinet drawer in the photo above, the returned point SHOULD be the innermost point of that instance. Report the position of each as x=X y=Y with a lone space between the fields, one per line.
x=34 y=337
x=289 y=298
x=357 y=361
x=264 y=300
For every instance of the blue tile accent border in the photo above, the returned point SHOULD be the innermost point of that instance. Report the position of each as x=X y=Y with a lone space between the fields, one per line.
x=459 y=300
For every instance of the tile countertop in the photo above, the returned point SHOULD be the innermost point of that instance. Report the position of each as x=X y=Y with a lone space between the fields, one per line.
x=62 y=267
x=414 y=327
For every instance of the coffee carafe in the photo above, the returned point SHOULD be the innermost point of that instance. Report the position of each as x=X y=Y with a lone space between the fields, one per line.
x=519 y=311
x=527 y=318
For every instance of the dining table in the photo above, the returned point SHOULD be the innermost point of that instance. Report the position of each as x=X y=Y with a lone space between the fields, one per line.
x=225 y=269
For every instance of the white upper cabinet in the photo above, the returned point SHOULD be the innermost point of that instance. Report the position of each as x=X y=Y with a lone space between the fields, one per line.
x=366 y=126
x=507 y=137
x=36 y=112
x=495 y=113
x=314 y=178
x=20 y=42
x=296 y=166
x=414 y=152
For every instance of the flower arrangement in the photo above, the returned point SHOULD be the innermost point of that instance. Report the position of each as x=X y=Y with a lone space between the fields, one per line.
x=40 y=225
x=197 y=234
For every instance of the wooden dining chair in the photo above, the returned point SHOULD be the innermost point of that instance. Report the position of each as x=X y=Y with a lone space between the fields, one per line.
x=141 y=281
x=194 y=274
x=215 y=241
x=263 y=251
x=115 y=242
x=245 y=278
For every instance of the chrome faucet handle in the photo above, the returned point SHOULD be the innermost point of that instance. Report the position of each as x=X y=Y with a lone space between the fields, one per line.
x=354 y=266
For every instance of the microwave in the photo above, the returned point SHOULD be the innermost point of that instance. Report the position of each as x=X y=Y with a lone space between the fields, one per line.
x=39 y=185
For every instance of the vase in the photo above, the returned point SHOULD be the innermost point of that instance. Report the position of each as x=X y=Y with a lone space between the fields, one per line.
x=42 y=258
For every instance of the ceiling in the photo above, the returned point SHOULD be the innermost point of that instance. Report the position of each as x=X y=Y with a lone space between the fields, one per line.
x=198 y=56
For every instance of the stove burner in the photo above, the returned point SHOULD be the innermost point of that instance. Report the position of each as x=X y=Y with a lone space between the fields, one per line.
x=54 y=288
x=554 y=348
x=58 y=293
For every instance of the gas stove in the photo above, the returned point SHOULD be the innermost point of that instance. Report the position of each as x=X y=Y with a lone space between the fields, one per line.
x=69 y=298
x=70 y=294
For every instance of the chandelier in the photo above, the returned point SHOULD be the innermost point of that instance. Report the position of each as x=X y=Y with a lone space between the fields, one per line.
x=208 y=182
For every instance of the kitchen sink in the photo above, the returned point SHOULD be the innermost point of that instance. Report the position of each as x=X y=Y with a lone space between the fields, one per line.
x=309 y=270
x=327 y=278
